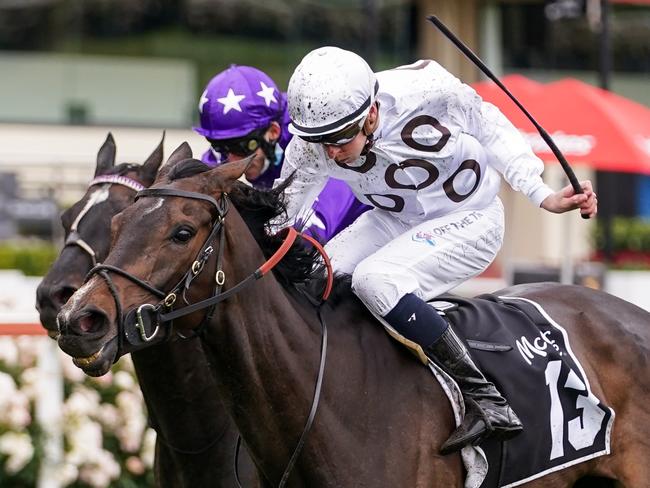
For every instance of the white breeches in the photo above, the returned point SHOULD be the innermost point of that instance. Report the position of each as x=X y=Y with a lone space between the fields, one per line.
x=389 y=258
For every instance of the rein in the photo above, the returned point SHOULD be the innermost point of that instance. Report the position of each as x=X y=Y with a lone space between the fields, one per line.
x=148 y=313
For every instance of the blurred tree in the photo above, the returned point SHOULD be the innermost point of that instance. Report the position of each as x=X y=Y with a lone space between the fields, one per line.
x=27 y=24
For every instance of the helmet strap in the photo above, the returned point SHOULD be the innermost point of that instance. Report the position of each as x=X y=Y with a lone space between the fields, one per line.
x=370 y=127
x=370 y=141
x=267 y=165
x=368 y=130
x=268 y=148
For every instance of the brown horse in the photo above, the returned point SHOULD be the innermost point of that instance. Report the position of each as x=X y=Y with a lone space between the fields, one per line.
x=381 y=417
x=196 y=439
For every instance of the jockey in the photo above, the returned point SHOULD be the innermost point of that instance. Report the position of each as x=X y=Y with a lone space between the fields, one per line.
x=427 y=153
x=242 y=112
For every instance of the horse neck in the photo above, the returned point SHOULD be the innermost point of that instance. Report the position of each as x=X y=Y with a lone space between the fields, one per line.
x=265 y=353
x=174 y=379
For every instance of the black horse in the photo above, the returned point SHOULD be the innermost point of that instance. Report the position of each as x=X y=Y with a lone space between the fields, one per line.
x=381 y=418
x=196 y=440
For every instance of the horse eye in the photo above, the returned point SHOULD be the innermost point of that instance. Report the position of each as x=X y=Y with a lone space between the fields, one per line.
x=183 y=235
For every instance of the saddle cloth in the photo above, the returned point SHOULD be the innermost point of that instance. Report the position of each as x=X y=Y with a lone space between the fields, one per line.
x=529 y=358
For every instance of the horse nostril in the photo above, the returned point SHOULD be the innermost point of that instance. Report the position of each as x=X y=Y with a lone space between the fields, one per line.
x=48 y=298
x=61 y=296
x=91 y=321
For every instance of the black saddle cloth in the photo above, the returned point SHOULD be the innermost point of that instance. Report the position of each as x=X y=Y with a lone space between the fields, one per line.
x=564 y=422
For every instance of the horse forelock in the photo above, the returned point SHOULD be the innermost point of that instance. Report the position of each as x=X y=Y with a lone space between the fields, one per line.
x=122 y=168
x=186 y=168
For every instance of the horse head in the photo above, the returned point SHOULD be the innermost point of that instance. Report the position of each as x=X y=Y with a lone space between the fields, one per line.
x=87 y=225
x=159 y=247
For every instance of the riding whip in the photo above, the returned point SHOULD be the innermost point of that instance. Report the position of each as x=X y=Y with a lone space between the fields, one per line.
x=482 y=66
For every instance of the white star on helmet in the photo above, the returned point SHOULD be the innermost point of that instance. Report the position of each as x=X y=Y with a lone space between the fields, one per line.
x=203 y=100
x=231 y=101
x=267 y=94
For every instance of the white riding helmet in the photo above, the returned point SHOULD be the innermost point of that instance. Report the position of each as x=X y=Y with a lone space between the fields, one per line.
x=330 y=89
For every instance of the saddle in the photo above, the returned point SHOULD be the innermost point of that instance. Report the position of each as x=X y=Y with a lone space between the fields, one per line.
x=528 y=356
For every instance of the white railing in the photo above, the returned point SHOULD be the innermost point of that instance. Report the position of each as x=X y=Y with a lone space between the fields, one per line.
x=49 y=400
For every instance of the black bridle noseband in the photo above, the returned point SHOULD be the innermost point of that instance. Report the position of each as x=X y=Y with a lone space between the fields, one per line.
x=142 y=325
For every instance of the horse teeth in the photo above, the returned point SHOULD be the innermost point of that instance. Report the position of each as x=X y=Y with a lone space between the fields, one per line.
x=87 y=361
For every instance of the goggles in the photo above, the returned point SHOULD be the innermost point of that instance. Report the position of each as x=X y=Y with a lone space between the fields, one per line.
x=239 y=146
x=338 y=138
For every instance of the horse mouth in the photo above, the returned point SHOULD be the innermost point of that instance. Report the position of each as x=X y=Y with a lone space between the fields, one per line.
x=48 y=319
x=100 y=362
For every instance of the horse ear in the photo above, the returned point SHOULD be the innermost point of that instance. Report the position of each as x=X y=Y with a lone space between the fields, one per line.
x=106 y=156
x=181 y=153
x=231 y=172
x=153 y=162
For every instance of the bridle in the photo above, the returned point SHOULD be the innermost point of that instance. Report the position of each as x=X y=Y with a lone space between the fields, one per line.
x=148 y=319
x=142 y=325
x=74 y=238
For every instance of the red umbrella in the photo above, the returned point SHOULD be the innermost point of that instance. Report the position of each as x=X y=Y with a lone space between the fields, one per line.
x=590 y=125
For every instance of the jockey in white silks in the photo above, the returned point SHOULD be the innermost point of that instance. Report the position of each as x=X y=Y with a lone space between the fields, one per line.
x=428 y=154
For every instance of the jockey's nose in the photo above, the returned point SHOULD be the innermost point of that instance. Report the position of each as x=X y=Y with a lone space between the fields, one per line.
x=332 y=151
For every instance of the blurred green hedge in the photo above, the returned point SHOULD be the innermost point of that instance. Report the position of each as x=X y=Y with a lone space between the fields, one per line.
x=33 y=259
x=628 y=234
x=630 y=246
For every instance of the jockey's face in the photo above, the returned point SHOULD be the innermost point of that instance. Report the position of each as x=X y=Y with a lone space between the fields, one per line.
x=256 y=166
x=347 y=153
x=351 y=151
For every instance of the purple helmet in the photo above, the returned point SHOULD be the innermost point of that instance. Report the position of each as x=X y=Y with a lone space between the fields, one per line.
x=238 y=101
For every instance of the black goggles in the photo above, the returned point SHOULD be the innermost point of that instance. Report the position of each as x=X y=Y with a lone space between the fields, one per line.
x=338 y=138
x=239 y=146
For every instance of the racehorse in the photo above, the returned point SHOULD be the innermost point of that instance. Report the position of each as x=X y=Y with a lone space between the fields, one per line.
x=381 y=419
x=195 y=441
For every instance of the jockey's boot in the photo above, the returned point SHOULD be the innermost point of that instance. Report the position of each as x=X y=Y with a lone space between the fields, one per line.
x=487 y=413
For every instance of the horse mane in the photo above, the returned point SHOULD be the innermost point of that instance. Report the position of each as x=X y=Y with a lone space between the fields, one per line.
x=301 y=264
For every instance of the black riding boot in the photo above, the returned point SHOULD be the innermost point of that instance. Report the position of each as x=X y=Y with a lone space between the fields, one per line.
x=487 y=413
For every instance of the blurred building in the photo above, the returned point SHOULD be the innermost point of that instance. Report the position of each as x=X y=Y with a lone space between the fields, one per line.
x=50 y=88
x=59 y=160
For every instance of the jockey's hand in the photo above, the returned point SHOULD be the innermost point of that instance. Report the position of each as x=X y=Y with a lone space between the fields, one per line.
x=566 y=199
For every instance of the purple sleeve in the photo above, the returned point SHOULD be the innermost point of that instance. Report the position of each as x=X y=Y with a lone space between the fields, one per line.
x=209 y=159
x=335 y=209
